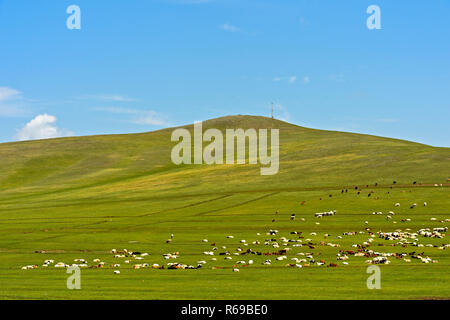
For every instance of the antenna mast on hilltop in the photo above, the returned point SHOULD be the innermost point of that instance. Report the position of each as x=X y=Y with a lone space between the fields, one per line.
x=272 y=110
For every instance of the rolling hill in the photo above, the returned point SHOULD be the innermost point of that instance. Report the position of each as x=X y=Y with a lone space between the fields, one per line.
x=141 y=162
x=86 y=195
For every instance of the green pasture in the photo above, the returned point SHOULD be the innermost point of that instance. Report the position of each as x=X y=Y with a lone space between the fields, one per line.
x=81 y=197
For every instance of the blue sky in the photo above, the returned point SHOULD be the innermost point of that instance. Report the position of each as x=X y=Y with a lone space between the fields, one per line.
x=142 y=65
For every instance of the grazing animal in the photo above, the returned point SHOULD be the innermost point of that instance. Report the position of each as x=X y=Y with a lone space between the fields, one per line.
x=333 y=265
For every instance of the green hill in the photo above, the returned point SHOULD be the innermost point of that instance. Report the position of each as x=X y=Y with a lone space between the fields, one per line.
x=83 y=196
x=308 y=158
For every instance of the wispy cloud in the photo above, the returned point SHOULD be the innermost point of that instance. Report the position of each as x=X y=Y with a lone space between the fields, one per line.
x=230 y=27
x=289 y=79
x=339 y=77
x=11 y=111
x=113 y=97
x=141 y=117
x=306 y=80
x=42 y=127
x=109 y=97
x=8 y=93
x=292 y=79
x=282 y=113
x=149 y=118
x=10 y=103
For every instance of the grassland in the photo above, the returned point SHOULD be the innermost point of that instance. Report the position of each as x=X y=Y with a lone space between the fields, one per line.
x=80 y=197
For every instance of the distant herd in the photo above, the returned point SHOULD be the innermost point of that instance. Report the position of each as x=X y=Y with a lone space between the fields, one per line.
x=284 y=246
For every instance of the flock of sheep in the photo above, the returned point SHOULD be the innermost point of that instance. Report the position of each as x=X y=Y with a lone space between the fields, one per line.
x=279 y=249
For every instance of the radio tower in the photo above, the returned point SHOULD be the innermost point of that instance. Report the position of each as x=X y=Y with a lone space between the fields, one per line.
x=272 y=110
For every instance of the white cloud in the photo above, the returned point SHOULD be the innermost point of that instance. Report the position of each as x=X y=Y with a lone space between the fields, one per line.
x=290 y=79
x=115 y=97
x=142 y=117
x=229 y=27
x=10 y=103
x=8 y=93
x=149 y=118
x=109 y=97
x=306 y=80
x=281 y=113
x=41 y=127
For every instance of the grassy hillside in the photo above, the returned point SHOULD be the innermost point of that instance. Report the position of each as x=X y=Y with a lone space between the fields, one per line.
x=308 y=158
x=80 y=197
